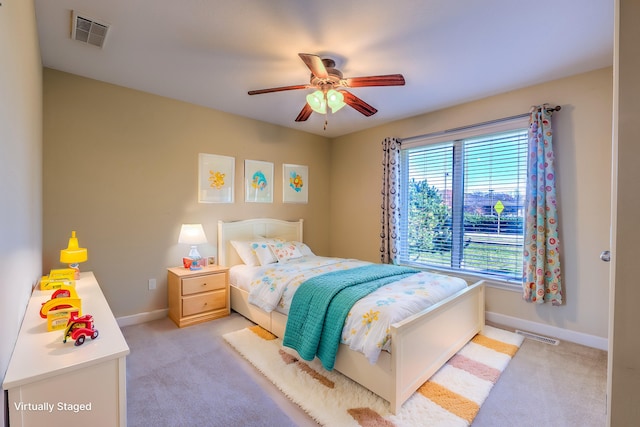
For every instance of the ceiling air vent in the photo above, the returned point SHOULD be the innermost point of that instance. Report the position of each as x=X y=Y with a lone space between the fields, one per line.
x=88 y=30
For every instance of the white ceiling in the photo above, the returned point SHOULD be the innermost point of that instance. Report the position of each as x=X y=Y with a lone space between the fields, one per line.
x=211 y=52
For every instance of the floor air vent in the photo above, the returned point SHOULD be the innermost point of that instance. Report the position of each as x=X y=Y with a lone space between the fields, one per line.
x=536 y=337
x=88 y=30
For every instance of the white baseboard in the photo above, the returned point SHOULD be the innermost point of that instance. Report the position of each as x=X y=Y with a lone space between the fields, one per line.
x=134 y=319
x=548 y=330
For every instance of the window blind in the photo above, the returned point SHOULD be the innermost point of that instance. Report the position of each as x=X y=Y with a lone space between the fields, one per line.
x=464 y=203
x=495 y=171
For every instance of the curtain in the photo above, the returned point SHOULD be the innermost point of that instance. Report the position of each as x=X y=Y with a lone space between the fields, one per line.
x=390 y=221
x=542 y=275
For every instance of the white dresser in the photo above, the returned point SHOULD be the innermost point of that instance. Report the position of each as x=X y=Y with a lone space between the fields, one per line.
x=54 y=383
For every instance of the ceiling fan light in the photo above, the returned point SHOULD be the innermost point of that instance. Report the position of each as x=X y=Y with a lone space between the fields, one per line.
x=335 y=99
x=317 y=102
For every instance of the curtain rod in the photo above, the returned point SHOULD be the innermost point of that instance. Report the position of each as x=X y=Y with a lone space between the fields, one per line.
x=490 y=122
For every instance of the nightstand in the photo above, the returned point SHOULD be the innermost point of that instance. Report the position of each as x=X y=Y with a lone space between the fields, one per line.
x=198 y=295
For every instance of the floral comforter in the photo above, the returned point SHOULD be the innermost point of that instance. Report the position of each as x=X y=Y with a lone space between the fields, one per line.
x=366 y=328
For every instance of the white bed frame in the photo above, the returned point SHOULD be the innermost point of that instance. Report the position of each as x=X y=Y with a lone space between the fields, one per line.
x=420 y=345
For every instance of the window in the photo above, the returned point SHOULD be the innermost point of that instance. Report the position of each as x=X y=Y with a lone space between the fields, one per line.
x=463 y=201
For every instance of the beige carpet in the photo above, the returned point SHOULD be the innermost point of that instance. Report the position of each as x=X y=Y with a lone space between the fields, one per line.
x=452 y=397
x=190 y=377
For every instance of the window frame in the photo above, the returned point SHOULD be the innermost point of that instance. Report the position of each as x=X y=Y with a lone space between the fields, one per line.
x=451 y=136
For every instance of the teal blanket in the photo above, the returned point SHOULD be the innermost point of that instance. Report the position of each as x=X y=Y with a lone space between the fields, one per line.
x=321 y=304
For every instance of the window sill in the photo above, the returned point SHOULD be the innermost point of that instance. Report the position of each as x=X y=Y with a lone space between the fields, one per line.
x=489 y=280
x=506 y=286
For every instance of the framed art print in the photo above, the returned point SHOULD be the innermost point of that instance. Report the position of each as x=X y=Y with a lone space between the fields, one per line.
x=258 y=181
x=295 y=183
x=215 y=178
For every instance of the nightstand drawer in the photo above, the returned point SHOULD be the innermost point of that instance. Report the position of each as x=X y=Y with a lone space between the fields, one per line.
x=201 y=303
x=210 y=282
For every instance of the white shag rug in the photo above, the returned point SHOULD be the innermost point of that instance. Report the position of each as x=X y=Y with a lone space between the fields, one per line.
x=451 y=397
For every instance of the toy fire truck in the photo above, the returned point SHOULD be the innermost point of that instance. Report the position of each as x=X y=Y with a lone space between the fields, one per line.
x=79 y=328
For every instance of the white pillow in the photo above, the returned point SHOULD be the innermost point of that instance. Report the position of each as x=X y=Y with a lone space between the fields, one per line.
x=246 y=252
x=264 y=253
x=303 y=248
x=284 y=250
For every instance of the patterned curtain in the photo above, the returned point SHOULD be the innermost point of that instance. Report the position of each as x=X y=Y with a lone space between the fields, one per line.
x=542 y=276
x=389 y=249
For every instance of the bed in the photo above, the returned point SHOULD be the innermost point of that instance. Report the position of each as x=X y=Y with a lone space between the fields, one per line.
x=419 y=345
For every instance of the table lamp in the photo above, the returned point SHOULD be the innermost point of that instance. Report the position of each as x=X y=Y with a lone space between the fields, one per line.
x=73 y=255
x=193 y=234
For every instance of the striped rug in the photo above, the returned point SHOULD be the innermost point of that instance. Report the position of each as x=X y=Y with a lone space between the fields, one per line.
x=451 y=397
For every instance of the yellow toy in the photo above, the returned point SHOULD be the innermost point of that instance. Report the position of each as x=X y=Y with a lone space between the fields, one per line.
x=57 y=278
x=58 y=318
x=64 y=304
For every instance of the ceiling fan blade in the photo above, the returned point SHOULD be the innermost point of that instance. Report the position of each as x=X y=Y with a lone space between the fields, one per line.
x=358 y=104
x=387 y=80
x=304 y=113
x=277 y=89
x=314 y=62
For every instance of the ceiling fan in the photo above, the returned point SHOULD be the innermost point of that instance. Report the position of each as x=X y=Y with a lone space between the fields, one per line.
x=331 y=87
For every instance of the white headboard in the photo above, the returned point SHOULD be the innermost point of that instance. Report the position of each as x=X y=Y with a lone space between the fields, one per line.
x=253 y=229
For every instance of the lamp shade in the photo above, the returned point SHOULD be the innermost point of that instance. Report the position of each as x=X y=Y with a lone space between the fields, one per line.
x=192 y=234
x=73 y=254
x=335 y=99
x=317 y=102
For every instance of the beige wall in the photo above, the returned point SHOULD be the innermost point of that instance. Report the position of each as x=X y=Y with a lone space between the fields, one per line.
x=20 y=170
x=120 y=168
x=624 y=345
x=582 y=142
